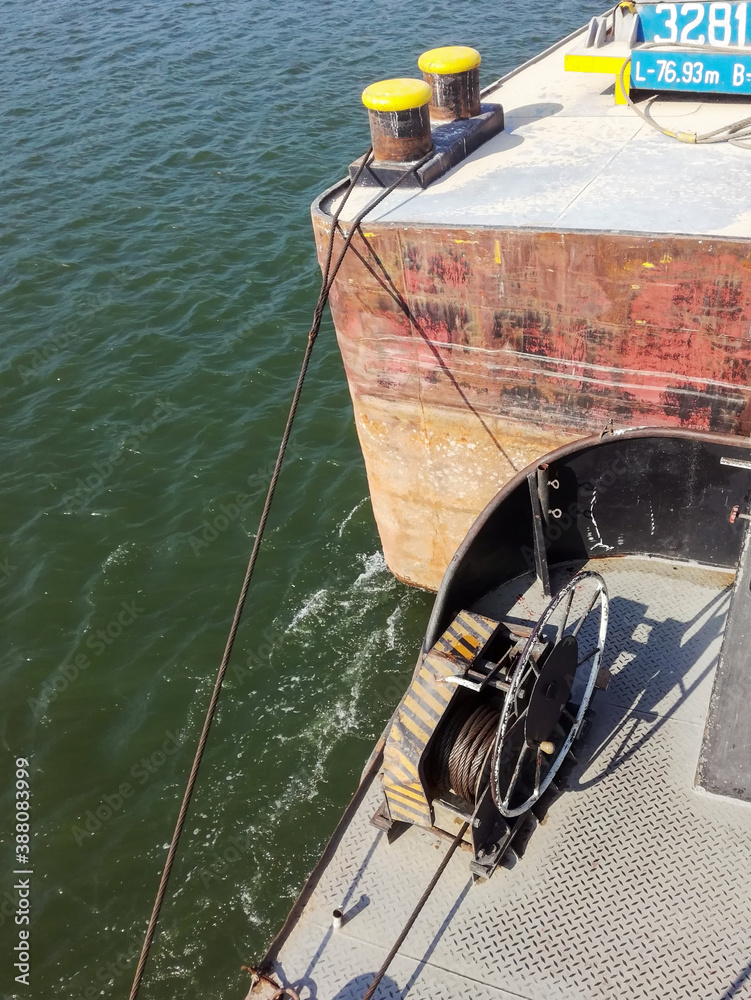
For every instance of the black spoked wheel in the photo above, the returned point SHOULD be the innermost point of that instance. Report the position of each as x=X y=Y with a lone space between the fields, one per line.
x=539 y=721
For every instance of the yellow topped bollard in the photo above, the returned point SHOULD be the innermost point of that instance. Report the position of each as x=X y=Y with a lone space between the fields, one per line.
x=399 y=119
x=453 y=75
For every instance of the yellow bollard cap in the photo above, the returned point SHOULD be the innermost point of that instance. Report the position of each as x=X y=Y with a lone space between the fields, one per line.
x=449 y=59
x=401 y=94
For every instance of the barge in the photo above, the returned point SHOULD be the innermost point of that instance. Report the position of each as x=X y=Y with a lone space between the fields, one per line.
x=546 y=329
x=578 y=272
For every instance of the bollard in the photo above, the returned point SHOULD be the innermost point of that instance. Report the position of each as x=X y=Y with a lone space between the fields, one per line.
x=399 y=119
x=453 y=74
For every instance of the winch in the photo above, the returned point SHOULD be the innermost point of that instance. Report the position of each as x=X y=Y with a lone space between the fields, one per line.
x=490 y=717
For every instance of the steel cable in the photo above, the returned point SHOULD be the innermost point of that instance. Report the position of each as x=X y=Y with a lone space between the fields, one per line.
x=462 y=748
x=415 y=913
x=329 y=275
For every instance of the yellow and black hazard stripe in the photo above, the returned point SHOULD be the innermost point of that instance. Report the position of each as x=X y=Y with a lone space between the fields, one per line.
x=401 y=781
x=465 y=636
x=421 y=710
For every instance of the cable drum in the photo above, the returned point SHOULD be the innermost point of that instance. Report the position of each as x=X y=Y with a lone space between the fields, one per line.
x=462 y=749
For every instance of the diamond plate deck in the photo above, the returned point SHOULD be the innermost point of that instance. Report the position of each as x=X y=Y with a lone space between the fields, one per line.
x=636 y=886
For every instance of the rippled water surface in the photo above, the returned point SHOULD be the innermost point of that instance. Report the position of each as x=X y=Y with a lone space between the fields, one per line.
x=158 y=275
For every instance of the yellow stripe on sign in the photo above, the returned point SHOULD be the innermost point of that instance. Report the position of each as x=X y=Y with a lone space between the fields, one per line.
x=438 y=690
x=574 y=63
x=395 y=734
x=407 y=764
x=440 y=665
x=409 y=791
x=466 y=631
x=412 y=726
x=395 y=764
x=396 y=776
x=485 y=626
x=455 y=646
x=408 y=808
x=421 y=713
x=396 y=794
x=468 y=638
x=464 y=620
x=463 y=651
x=428 y=698
x=477 y=624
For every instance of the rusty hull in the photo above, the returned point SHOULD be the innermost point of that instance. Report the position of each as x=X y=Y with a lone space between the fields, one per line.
x=469 y=353
x=455 y=95
x=400 y=136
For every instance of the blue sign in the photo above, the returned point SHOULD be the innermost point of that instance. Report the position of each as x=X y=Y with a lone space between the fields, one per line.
x=710 y=73
x=717 y=25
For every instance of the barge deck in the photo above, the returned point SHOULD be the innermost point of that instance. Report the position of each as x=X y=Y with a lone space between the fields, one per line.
x=570 y=158
x=579 y=272
x=635 y=885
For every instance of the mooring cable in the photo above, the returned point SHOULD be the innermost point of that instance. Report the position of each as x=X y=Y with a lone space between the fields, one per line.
x=415 y=913
x=329 y=275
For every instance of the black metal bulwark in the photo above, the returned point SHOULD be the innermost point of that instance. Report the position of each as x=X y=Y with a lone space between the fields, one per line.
x=725 y=758
x=649 y=492
x=672 y=494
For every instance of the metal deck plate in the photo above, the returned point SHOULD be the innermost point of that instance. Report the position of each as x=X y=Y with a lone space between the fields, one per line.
x=636 y=885
x=569 y=159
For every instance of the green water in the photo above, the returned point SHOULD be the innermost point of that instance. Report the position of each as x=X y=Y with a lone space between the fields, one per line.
x=158 y=275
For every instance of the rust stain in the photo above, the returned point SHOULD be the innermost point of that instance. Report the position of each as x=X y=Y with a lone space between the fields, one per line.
x=527 y=340
x=451 y=268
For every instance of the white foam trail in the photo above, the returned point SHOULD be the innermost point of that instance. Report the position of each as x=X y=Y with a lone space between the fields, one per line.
x=117 y=555
x=351 y=514
x=391 y=623
x=314 y=603
x=373 y=565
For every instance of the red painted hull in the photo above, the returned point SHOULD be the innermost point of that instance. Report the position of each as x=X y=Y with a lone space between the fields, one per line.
x=471 y=352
